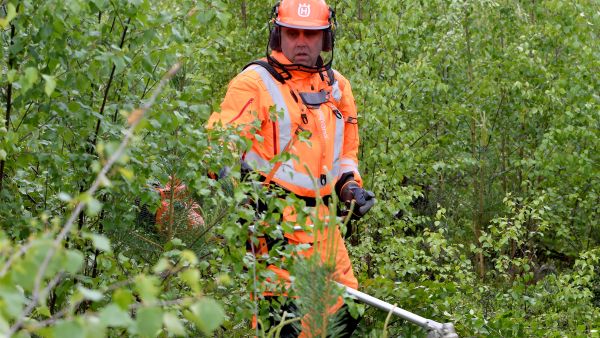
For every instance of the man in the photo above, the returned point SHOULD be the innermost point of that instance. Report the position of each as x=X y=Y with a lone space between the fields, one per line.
x=297 y=80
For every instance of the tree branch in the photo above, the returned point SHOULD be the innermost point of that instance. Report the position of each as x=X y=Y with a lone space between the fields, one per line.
x=134 y=119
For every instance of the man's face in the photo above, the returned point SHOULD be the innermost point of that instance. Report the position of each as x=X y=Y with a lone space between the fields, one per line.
x=301 y=46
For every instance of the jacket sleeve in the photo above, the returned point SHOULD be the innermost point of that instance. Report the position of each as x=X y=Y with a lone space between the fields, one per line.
x=241 y=106
x=349 y=160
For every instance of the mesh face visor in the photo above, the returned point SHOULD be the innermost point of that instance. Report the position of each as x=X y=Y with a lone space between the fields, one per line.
x=299 y=14
x=324 y=60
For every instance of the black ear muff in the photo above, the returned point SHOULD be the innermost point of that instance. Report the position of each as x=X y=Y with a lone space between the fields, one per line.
x=275 y=39
x=329 y=34
x=275 y=34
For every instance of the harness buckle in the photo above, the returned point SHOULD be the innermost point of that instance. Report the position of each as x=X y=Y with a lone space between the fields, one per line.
x=337 y=113
x=323 y=179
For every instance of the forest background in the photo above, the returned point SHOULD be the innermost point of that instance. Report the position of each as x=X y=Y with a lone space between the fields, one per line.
x=479 y=121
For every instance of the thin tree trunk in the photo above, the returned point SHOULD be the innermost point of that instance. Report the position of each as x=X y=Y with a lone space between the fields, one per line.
x=244 y=14
x=360 y=12
x=521 y=156
x=503 y=164
x=478 y=198
x=92 y=145
x=94 y=140
x=11 y=64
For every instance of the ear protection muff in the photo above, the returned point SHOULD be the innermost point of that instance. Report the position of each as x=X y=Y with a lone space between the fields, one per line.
x=328 y=34
x=275 y=38
x=275 y=33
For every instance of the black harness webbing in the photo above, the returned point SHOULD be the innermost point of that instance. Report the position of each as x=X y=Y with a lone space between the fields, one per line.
x=274 y=73
x=279 y=76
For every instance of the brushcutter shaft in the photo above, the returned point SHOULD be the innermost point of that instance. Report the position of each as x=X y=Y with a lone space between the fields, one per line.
x=435 y=329
x=296 y=228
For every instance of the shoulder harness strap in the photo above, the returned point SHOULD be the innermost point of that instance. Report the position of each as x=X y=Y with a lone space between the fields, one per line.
x=274 y=73
x=331 y=76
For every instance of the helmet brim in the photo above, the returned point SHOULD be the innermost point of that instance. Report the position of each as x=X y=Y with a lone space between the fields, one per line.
x=310 y=28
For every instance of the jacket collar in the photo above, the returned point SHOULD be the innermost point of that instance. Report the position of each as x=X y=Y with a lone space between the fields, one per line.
x=296 y=74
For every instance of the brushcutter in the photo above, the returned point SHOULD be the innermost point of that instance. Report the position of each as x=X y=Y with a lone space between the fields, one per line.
x=433 y=328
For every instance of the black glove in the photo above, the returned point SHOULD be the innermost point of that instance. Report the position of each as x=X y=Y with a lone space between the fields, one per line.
x=364 y=200
x=225 y=171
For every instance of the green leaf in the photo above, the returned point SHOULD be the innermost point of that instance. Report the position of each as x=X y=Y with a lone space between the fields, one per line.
x=94 y=328
x=123 y=297
x=11 y=75
x=44 y=311
x=149 y=321
x=71 y=329
x=147 y=287
x=101 y=242
x=93 y=207
x=119 y=63
x=4 y=326
x=192 y=278
x=11 y=13
x=114 y=316
x=32 y=75
x=75 y=6
x=29 y=265
x=73 y=261
x=173 y=324
x=64 y=197
x=162 y=265
x=208 y=315
x=127 y=173
x=189 y=256
x=356 y=310
x=50 y=84
x=2 y=154
x=100 y=3
x=92 y=295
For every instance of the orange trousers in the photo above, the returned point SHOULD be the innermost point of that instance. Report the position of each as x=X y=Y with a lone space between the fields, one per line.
x=328 y=243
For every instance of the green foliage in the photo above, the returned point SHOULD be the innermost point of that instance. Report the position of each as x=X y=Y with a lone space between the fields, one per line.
x=488 y=111
x=479 y=120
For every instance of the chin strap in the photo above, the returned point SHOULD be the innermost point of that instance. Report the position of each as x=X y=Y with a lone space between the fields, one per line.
x=318 y=68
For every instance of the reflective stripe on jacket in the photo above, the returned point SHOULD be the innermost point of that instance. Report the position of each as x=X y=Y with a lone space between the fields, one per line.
x=317 y=160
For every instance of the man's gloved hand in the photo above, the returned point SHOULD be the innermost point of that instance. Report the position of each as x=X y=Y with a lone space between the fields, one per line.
x=364 y=199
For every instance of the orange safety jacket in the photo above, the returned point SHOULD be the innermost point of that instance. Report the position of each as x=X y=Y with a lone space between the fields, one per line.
x=332 y=147
x=317 y=163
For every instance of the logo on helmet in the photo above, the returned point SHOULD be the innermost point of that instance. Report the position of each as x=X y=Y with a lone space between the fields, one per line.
x=303 y=10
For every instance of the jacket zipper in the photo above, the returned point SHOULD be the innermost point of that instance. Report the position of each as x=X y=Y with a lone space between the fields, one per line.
x=317 y=120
